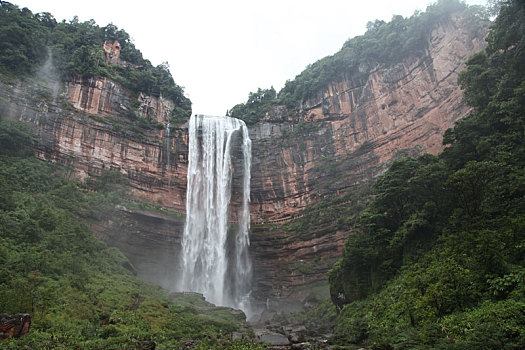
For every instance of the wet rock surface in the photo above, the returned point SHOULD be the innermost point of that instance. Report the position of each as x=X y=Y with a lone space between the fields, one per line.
x=272 y=338
x=291 y=336
x=151 y=241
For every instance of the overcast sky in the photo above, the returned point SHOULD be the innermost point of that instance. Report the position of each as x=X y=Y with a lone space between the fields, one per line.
x=220 y=50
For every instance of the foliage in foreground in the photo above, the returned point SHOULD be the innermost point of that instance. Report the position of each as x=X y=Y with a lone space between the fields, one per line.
x=82 y=294
x=439 y=259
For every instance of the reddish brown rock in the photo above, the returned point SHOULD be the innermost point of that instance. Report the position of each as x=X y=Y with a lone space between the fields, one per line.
x=355 y=130
x=97 y=96
x=285 y=264
x=103 y=97
x=112 y=51
x=359 y=126
x=93 y=134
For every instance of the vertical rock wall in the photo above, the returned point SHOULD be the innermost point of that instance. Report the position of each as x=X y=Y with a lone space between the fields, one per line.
x=87 y=128
x=357 y=128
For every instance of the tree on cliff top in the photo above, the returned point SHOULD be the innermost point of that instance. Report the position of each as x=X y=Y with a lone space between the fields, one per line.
x=257 y=105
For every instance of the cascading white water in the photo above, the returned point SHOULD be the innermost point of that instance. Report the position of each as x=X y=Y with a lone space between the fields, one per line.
x=221 y=271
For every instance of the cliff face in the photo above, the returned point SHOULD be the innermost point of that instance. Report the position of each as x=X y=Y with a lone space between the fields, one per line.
x=150 y=241
x=86 y=125
x=344 y=136
x=356 y=128
x=101 y=96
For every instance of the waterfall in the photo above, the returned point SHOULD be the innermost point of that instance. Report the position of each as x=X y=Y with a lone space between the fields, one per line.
x=215 y=261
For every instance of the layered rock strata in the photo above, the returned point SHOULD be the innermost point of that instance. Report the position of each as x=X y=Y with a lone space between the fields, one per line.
x=357 y=127
x=87 y=127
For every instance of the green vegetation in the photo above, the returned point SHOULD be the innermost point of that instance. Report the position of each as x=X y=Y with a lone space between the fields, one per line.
x=256 y=107
x=439 y=257
x=384 y=45
x=82 y=294
x=144 y=204
x=27 y=40
x=134 y=127
x=329 y=215
x=300 y=130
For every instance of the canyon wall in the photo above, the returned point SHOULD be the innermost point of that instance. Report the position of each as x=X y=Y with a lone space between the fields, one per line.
x=148 y=240
x=343 y=137
x=91 y=126
x=356 y=128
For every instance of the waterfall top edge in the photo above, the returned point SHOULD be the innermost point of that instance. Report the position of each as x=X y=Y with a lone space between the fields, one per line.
x=216 y=117
x=213 y=116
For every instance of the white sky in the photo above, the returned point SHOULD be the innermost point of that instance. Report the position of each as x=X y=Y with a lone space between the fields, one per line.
x=220 y=50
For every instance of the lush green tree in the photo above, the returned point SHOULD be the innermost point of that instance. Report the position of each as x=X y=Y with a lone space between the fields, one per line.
x=14 y=138
x=22 y=40
x=256 y=107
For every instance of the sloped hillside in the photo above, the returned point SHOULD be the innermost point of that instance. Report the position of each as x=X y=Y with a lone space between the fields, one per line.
x=437 y=260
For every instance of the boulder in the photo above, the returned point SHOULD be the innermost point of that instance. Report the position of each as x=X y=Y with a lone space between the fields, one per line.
x=296 y=337
x=236 y=335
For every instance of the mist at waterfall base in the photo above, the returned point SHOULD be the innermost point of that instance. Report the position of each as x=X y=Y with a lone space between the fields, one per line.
x=215 y=259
